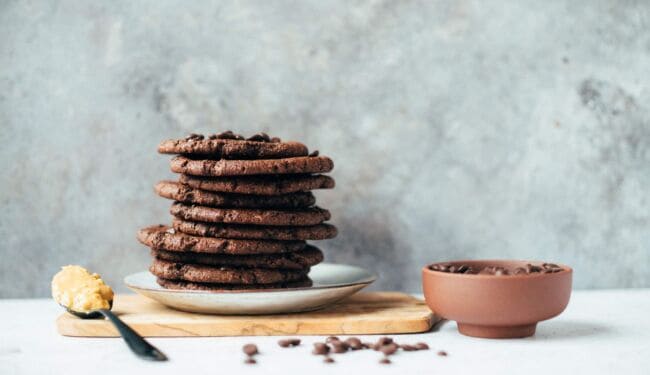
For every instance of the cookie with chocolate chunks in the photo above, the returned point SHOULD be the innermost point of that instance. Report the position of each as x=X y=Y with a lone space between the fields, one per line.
x=297 y=260
x=299 y=217
x=223 y=275
x=259 y=232
x=228 y=145
x=259 y=185
x=183 y=193
x=207 y=287
x=166 y=238
x=223 y=167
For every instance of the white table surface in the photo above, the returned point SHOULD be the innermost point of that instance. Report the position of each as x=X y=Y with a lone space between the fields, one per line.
x=601 y=332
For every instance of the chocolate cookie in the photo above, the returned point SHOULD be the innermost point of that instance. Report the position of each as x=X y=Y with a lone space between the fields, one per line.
x=223 y=275
x=301 y=217
x=231 y=146
x=312 y=232
x=186 y=285
x=183 y=193
x=260 y=185
x=223 y=167
x=297 y=260
x=166 y=238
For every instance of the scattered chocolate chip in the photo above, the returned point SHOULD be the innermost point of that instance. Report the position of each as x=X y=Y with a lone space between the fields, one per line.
x=285 y=343
x=384 y=341
x=408 y=348
x=320 y=348
x=314 y=153
x=339 y=347
x=384 y=361
x=331 y=339
x=250 y=361
x=389 y=349
x=354 y=343
x=442 y=353
x=421 y=346
x=250 y=349
x=328 y=359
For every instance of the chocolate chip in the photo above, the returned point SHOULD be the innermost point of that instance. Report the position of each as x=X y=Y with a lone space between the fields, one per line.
x=328 y=359
x=531 y=268
x=250 y=361
x=314 y=153
x=228 y=134
x=259 y=137
x=331 y=339
x=486 y=271
x=440 y=267
x=500 y=271
x=389 y=349
x=339 y=347
x=442 y=353
x=285 y=343
x=519 y=271
x=384 y=341
x=320 y=348
x=250 y=349
x=408 y=348
x=194 y=137
x=384 y=361
x=422 y=346
x=354 y=343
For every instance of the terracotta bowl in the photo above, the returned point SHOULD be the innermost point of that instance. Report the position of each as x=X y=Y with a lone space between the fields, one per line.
x=492 y=306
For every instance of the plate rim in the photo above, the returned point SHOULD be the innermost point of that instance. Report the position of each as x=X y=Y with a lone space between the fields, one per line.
x=372 y=277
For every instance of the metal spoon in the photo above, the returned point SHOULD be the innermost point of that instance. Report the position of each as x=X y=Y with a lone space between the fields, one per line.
x=137 y=343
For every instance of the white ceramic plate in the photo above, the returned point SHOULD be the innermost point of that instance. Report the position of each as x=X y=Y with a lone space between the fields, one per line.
x=331 y=283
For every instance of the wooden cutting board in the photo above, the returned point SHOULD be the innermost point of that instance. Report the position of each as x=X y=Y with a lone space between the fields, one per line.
x=362 y=313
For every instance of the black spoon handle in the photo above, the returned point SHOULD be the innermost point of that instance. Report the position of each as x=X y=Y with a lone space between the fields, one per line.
x=138 y=345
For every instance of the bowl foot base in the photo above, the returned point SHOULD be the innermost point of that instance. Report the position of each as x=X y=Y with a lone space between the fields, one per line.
x=494 y=332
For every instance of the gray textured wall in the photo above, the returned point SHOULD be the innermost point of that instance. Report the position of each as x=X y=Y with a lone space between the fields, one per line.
x=460 y=129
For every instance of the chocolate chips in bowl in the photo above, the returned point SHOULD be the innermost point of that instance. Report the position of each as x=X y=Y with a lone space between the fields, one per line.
x=497 y=298
x=496 y=269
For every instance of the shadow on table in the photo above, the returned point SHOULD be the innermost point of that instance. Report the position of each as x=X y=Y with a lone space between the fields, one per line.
x=569 y=329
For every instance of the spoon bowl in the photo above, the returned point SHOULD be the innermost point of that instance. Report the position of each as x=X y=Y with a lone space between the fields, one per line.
x=92 y=314
x=136 y=343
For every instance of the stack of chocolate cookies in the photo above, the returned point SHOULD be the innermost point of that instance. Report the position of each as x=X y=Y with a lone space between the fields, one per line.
x=242 y=212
